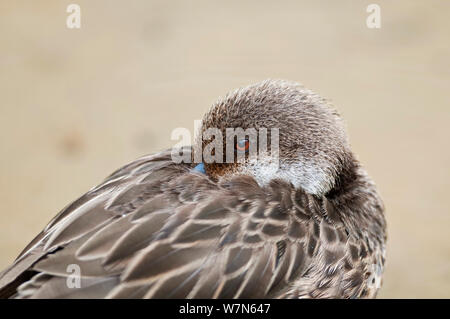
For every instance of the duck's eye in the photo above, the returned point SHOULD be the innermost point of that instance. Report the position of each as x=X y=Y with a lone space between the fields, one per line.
x=243 y=145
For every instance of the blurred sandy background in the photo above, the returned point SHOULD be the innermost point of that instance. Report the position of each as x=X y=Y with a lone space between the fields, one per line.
x=77 y=104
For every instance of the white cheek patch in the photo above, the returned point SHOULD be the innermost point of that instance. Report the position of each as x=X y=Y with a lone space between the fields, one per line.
x=305 y=175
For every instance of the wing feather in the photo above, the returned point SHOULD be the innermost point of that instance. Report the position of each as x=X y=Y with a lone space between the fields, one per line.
x=154 y=229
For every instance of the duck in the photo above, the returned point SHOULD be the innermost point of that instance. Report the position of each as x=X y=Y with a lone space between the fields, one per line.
x=303 y=220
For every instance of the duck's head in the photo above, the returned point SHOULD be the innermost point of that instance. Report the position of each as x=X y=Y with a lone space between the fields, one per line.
x=313 y=146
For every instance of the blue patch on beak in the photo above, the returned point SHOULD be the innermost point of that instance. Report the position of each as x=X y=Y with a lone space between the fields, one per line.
x=200 y=168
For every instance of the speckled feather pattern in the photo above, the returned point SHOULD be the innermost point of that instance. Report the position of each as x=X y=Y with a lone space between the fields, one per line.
x=313 y=143
x=157 y=229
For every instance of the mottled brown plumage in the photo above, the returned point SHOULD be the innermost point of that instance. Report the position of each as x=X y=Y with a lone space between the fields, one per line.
x=156 y=229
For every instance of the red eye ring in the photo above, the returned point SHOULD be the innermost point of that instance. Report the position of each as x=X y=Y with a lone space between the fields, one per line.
x=243 y=145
